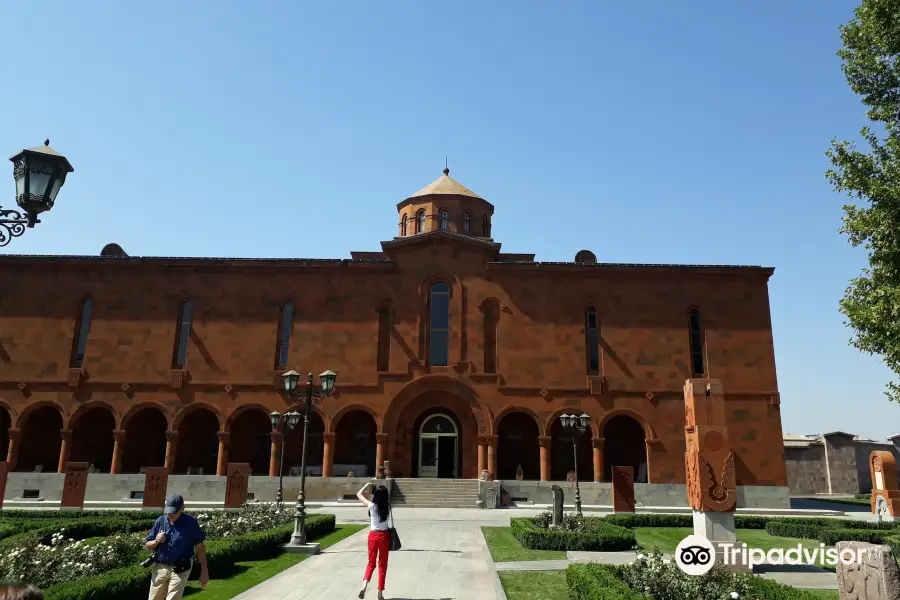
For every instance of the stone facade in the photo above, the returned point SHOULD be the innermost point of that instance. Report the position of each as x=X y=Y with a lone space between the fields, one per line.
x=835 y=463
x=453 y=358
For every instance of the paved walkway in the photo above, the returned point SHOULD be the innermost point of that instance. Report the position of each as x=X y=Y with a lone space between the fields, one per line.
x=440 y=560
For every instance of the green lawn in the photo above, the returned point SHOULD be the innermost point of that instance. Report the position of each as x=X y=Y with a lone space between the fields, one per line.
x=505 y=547
x=667 y=538
x=534 y=585
x=249 y=574
x=847 y=500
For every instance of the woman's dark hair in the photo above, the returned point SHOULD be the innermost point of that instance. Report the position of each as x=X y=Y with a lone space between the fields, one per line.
x=20 y=592
x=382 y=502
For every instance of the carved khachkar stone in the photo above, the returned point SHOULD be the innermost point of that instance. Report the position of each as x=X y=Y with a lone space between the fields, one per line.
x=709 y=460
x=558 y=497
x=236 y=483
x=623 y=489
x=155 y=483
x=74 y=485
x=492 y=498
x=877 y=577
x=885 y=489
x=4 y=471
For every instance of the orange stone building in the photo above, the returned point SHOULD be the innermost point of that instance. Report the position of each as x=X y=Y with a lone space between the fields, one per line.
x=452 y=356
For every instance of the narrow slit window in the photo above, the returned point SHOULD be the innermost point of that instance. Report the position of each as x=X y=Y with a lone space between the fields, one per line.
x=445 y=221
x=439 y=325
x=284 y=333
x=184 y=334
x=696 y=336
x=491 y=324
x=403 y=226
x=592 y=339
x=467 y=223
x=384 y=338
x=485 y=226
x=82 y=331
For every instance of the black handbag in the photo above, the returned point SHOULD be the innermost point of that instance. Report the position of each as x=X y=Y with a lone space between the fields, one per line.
x=395 y=539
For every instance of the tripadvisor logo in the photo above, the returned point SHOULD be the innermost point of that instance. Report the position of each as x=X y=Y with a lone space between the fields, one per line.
x=695 y=555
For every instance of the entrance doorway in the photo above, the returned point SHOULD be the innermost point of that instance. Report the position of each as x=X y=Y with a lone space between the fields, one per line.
x=438 y=447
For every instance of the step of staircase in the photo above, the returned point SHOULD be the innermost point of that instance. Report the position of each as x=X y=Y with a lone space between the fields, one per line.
x=435 y=493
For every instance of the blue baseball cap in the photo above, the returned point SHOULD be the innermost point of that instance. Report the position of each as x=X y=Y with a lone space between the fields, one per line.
x=174 y=503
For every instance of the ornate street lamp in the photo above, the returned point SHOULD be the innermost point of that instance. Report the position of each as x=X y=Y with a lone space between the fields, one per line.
x=575 y=428
x=281 y=425
x=310 y=398
x=39 y=173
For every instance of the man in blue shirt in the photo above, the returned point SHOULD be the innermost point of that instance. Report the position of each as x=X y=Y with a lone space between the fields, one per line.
x=174 y=537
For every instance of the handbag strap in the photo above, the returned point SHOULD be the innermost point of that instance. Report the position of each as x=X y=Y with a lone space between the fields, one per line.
x=390 y=512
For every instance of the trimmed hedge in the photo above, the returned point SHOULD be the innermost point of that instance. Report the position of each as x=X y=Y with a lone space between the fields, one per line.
x=597 y=582
x=17 y=514
x=221 y=556
x=76 y=529
x=598 y=536
x=830 y=535
x=601 y=582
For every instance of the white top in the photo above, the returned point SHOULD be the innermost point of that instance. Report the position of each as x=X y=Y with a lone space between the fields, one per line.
x=375 y=524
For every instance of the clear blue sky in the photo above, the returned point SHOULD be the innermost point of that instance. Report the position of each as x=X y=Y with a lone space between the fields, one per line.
x=652 y=132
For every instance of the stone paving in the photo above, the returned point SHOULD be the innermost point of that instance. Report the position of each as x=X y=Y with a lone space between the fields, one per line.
x=444 y=557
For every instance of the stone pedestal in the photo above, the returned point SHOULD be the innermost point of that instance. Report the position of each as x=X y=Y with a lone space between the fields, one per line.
x=719 y=529
x=309 y=548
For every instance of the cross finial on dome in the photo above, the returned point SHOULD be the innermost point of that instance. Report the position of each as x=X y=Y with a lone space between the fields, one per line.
x=446 y=169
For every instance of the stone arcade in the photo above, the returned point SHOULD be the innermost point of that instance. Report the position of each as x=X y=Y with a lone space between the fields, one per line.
x=454 y=358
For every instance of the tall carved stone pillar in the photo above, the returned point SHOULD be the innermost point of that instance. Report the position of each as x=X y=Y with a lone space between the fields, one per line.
x=381 y=441
x=327 y=454
x=597 y=443
x=171 y=445
x=275 y=450
x=12 y=454
x=222 y=458
x=545 y=457
x=118 y=450
x=482 y=455
x=491 y=454
x=64 y=450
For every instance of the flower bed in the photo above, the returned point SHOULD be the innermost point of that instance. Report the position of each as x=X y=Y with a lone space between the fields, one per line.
x=575 y=533
x=652 y=577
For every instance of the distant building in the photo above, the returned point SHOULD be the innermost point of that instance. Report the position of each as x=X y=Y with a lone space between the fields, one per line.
x=834 y=463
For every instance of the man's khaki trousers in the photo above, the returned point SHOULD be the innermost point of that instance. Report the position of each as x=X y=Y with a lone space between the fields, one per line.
x=165 y=584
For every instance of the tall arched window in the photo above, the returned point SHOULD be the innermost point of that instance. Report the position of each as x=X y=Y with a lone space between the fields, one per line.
x=82 y=330
x=285 y=327
x=439 y=325
x=184 y=334
x=467 y=223
x=696 y=336
x=403 y=226
x=592 y=339
x=385 y=326
x=420 y=221
x=445 y=221
x=491 y=326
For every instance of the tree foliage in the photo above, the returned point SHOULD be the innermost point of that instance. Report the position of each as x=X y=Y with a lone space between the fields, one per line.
x=871 y=63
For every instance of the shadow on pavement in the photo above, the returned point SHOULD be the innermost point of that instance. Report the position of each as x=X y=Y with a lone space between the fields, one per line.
x=822 y=504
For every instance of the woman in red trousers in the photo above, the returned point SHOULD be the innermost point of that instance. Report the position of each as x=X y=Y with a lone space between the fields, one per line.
x=379 y=537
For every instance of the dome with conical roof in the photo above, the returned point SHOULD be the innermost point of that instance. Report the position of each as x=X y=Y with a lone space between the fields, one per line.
x=445 y=205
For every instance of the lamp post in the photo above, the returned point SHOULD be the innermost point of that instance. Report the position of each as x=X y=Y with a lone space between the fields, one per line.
x=281 y=425
x=39 y=173
x=575 y=428
x=310 y=398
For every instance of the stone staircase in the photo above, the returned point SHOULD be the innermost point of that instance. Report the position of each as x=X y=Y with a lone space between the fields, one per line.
x=435 y=493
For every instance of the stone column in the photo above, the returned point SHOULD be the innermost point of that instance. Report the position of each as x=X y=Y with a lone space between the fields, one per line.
x=222 y=458
x=327 y=454
x=171 y=445
x=482 y=455
x=64 y=449
x=598 y=458
x=381 y=440
x=492 y=454
x=12 y=454
x=545 y=457
x=275 y=450
x=118 y=449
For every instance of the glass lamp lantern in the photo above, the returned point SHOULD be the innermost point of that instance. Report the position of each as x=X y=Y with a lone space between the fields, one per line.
x=291 y=379
x=276 y=419
x=39 y=174
x=584 y=422
x=291 y=420
x=328 y=378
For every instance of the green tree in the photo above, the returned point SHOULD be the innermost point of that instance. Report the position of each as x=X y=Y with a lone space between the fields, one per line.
x=871 y=63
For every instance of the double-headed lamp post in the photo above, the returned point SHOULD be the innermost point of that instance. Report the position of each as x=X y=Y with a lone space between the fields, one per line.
x=311 y=398
x=575 y=428
x=282 y=424
x=39 y=173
